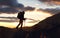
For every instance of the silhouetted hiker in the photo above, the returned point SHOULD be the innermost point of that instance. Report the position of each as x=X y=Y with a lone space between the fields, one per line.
x=20 y=16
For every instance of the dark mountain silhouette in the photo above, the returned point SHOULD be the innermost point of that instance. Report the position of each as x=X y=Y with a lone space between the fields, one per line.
x=20 y=34
x=6 y=32
x=50 y=25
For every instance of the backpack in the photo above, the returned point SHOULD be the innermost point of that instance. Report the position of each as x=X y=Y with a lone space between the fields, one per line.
x=20 y=15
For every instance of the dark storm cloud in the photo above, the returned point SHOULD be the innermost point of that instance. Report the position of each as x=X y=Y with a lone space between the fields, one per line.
x=50 y=10
x=12 y=3
x=12 y=6
x=28 y=8
x=8 y=2
x=13 y=10
x=8 y=10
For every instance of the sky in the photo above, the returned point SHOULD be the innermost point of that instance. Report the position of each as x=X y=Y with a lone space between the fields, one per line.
x=28 y=5
x=38 y=3
x=33 y=3
x=35 y=10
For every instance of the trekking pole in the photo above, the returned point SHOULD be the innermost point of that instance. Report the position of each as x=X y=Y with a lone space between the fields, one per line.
x=24 y=23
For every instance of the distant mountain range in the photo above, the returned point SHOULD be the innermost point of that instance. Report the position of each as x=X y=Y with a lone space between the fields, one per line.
x=48 y=23
x=50 y=27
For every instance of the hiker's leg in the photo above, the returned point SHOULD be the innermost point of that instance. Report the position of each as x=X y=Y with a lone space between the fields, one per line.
x=21 y=23
x=18 y=24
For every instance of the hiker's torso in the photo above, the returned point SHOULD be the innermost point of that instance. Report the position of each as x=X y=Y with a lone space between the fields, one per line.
x=20 y=15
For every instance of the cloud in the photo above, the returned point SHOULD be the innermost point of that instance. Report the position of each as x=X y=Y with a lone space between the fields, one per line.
x=10 y=6
x=8 y=2
x=11 y=3
x=21 y=6
x=13 y=10
x=8 y=10
x=28 y=8
x=49 y=0
x=50 y=10
x=55 y=2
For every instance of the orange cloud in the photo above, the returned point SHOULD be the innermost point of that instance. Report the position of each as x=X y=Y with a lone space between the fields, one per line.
x=56 y=2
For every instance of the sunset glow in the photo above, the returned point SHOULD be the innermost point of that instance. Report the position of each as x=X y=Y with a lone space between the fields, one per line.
x=36 y=15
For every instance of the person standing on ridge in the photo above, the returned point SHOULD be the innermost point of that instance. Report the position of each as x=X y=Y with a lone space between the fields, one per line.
x=20 y=16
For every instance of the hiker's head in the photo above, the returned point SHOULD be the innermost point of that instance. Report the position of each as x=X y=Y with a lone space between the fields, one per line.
x=22 y=11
